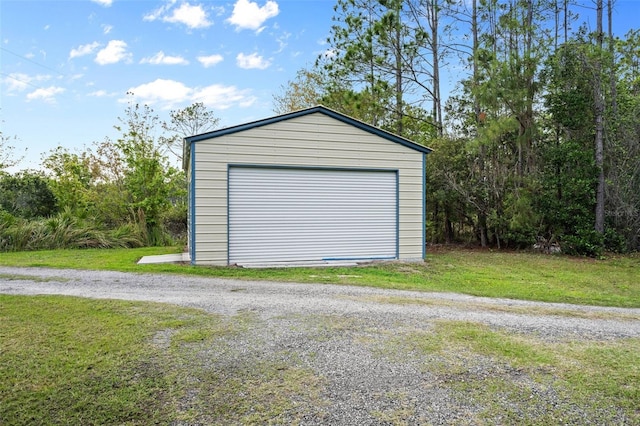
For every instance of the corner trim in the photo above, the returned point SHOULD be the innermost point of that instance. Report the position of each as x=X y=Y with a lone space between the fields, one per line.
x=192 y=203
x=424 y=206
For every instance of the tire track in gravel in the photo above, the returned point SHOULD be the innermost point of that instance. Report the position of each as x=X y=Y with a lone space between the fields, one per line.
x=227 y=296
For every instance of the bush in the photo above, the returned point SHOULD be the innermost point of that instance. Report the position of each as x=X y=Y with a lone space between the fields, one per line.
x=27 y=195
x=61 y=232
x=586 y=242
x=174 y=221
x=615 y=241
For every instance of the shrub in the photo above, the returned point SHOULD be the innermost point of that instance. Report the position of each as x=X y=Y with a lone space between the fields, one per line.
x=63 y=231
x=585 y=242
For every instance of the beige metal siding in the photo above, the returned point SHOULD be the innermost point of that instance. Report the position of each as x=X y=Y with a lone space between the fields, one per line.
x=313 y=140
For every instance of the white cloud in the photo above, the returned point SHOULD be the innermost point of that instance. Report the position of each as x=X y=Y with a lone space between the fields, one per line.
x=47 y=95
x=106 y=29
x=18 y=82
x=169 y=94
x=100 y=94
x=248 y=15
x=115 y=52
x=219 y=10
x=252 y=61
x=211 y=60
x=282 y=41
x=105 y=3
x=223 y=97
x=193 y=16
x=84 y=49
x=157 y=14
x=161 y=59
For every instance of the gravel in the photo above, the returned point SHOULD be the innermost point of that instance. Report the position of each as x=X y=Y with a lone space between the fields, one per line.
x=340 y=333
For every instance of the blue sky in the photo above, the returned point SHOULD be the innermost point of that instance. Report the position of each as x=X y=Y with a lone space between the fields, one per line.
x=66 y=66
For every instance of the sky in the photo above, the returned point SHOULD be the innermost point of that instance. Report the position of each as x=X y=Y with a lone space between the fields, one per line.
x=66 y=66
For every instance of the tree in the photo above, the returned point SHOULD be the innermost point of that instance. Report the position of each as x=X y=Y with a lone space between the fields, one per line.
x=622 y=142
x=306 y=90
x=496 y=115
x=7 y=152
x=569 y=171
x=598 y=101
x=192 y=120
x=426 y=16
x=72 y=178
x=375 y=55
x=146 y=171
x=27 y=194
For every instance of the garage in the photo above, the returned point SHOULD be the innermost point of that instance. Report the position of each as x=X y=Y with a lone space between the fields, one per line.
x=311 y=186
x=305 y=214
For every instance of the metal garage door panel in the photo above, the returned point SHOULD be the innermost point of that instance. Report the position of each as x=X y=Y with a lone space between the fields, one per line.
x=290 y=215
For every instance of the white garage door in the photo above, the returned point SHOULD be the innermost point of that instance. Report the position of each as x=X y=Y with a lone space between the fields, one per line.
x=291 y=215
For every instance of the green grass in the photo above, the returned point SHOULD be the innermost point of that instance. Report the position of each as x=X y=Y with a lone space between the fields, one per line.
x=614 y=281
x=66 y=360
x=517 y=378
x=76 y=361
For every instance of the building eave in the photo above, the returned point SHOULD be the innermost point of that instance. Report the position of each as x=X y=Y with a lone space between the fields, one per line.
x=317 y=109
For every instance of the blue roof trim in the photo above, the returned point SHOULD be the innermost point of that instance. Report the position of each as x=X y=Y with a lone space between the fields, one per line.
x=317 y=109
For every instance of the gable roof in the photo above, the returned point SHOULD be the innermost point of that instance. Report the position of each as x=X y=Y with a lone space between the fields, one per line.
x=317 y=109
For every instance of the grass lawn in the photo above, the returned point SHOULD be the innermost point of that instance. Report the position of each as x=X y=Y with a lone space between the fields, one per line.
x=66 y=360
x=75 y=361
x=614 y=281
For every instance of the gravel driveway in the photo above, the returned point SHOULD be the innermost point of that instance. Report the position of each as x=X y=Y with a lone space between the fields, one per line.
x=361 y=386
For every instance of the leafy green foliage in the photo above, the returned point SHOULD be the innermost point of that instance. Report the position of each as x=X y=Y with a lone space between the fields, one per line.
x=145 y=168
x=192 y=120
x=27 y=195
x=64 y=230
x=121 y=193
x=72 y=178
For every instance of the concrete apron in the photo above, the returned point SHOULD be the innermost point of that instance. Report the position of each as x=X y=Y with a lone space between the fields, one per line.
x=165 y=258
x=184 y=257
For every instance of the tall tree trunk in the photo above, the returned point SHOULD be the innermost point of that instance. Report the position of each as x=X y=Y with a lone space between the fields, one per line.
x=482 y=214
x=372 y=79
x=566 y=20
x=435 y=52
x=599 y=119
x=530 y=71
x=398 y=72
x=612 y=58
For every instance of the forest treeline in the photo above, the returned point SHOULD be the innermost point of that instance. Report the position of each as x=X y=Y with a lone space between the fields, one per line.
x=537 y=141
x=534 y=119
